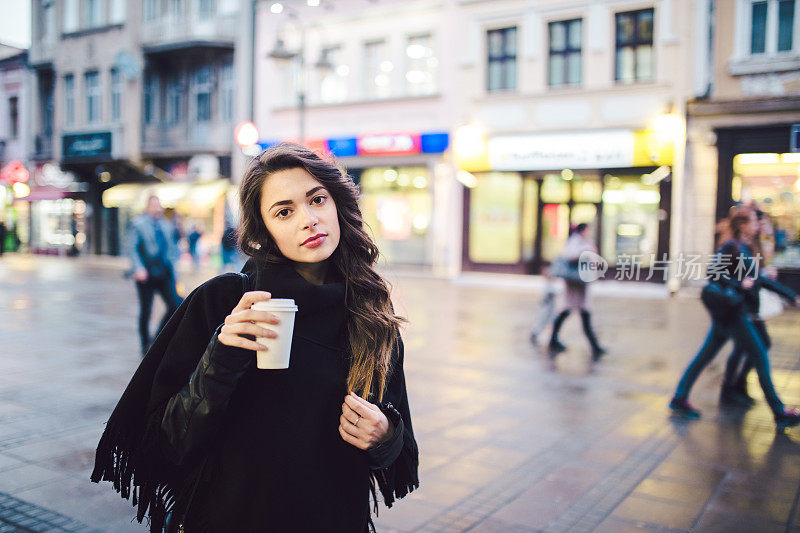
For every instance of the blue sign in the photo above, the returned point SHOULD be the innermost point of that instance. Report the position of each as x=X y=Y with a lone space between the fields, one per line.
x=267 y=144
x=434 y=143
x=343 y=147
x=86 y=146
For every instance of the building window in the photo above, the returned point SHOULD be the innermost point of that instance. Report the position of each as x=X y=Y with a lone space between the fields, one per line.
x=565 y=53
x=785 y=25
x=333 y=74
x=117 y=12
x=151 y=9
x=502 y=61
x=201 y=94
x=70 y=15
x=13 y=117
x=766 y=38
x=91 y=84
x=93 y=11
x=634 y=61
x=421 y=65
x=69 y=100
x=116 y=95
x=758 y=32
x=377 y=70
x=205 y=9
x=226 y=92
x=176 y=9
x=150 y=99
x=174 y=100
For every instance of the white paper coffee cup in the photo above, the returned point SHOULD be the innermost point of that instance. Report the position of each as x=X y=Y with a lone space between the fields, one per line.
x=277 y=353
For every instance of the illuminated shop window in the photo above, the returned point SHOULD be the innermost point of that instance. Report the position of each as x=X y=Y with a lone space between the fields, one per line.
x=494 y=218
x=396 y=204
x=630 y=218
x=772 y=181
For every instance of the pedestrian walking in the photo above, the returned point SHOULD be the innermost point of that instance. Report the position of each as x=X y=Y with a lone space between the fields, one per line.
x=566 y=266
x=209 y=442
x=731 y=297
x=228 y=248
x=152 y=251
x=734 y=384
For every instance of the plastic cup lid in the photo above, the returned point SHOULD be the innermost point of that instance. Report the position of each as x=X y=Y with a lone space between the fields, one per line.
x=278 y=304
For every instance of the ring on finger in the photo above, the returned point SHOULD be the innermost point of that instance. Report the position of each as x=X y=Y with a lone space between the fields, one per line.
x=356 y=422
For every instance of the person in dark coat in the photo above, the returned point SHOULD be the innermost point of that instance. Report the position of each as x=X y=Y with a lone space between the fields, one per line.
x=153 y=253
x=734 y=384
x=735 y=270
x=206 y=441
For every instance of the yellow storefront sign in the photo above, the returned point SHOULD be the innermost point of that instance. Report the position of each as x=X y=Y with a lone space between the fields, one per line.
x=579 y=150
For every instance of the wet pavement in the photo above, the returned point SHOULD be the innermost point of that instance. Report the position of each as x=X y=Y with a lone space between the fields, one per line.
x=509 y=441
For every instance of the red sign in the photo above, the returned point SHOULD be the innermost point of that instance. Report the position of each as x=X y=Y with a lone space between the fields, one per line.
x=389 y=144
x=14 y=172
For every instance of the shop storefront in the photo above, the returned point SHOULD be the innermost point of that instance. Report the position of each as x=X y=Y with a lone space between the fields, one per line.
x=53 y=214
x=201 y=205
x=756 y=165
x=524 y=192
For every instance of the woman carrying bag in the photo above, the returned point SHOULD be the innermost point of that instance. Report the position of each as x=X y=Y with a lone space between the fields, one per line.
x=729 y=297
x=205 y=441
x=770 y=300
x=566 y=266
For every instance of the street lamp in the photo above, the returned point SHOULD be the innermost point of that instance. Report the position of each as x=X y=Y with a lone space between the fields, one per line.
x=281 y=54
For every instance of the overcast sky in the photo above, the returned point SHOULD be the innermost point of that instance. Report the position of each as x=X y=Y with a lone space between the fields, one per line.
x=15 y=22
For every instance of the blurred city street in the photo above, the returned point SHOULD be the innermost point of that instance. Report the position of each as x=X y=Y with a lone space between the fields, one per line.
x=509 y=442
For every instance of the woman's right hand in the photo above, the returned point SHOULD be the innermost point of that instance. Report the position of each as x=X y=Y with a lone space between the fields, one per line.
x=245 y=321
x=747 y=283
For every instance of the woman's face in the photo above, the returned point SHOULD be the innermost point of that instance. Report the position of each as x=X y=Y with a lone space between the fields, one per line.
x=300 y=215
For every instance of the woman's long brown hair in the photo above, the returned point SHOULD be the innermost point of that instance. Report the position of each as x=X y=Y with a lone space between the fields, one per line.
x=372 y=326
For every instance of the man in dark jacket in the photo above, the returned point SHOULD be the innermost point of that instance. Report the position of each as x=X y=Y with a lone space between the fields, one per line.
x=153 y=253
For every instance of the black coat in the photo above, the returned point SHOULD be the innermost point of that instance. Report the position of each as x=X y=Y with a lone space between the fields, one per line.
x=228 y=447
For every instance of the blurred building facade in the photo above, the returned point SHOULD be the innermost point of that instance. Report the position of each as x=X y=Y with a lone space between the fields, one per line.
x=14 y=123
x=556 y=113
x=574 y=116
x=741 y=145
x=132 y=98
x=374 y=84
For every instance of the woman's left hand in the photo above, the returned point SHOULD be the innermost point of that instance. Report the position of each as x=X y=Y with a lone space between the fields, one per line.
x=362 y=423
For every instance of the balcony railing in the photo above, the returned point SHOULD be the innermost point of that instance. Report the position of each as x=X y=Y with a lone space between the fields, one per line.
x=42 y=51
x=213 y=137
x=169 y=32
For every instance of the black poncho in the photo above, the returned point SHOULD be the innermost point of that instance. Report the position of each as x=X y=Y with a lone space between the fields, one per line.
x=275 y=461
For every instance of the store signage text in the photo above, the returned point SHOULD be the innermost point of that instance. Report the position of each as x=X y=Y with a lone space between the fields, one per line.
x=87 y=145
x=396 y=144
x=611 y=148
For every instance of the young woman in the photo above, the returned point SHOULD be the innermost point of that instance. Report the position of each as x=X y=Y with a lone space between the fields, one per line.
x=734 y=384
x=208 y=442
x=575 y=295
x=734 y=269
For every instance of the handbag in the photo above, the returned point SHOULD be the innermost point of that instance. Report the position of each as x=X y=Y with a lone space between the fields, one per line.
x=561 y=268
x=721 y=301
x=769 y=304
